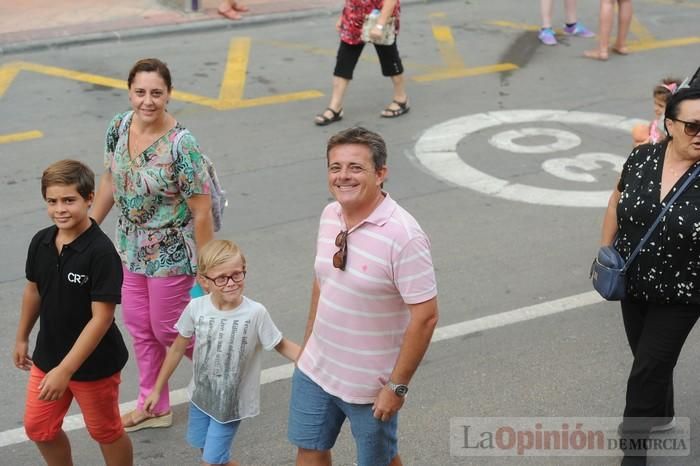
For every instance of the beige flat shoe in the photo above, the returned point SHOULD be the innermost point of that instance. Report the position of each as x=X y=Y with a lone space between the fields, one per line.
x=153 y=422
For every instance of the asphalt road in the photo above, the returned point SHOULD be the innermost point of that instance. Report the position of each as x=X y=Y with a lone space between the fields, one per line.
x=493 y=253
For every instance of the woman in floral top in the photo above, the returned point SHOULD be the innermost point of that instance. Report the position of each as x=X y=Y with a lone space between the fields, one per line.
x=349 y=25
x=163 y=198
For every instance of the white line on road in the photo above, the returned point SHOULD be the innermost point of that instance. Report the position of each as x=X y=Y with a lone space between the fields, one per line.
x=273 y=374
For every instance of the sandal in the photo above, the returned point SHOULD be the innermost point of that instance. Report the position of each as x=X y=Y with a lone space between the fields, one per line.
x=396 y=112
x=323 y=120
x=230 y=13
x=148 y=422
x=596 y=55
x=241 y=8
x=620 y=50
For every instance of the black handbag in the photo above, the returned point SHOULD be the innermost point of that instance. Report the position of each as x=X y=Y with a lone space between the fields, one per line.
x=608 y=269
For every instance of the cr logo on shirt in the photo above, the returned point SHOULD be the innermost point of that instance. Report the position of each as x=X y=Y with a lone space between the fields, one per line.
x=77 y=278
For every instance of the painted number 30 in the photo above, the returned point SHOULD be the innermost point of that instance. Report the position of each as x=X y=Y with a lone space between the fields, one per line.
x=567 y=168
x=436 y=150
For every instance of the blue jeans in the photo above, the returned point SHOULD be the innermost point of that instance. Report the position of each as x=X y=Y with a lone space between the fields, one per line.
x=213 y=438
x=315 y=419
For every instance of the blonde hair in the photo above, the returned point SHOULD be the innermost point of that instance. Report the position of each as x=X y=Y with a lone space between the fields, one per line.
x=217 y=252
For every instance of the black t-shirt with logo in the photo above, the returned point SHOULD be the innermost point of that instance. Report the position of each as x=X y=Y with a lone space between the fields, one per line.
x=87 y=270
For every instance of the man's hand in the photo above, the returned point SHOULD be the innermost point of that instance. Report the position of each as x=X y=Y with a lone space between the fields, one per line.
x=53 y=384
x=21 y=356
x=387 y=404
x=376 y=33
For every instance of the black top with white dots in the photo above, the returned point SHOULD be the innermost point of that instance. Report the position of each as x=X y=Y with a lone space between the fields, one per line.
x=667 y=270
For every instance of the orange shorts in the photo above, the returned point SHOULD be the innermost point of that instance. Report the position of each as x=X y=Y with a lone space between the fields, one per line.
x=98 y=401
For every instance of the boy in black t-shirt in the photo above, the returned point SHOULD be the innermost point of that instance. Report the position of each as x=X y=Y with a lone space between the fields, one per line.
x=74 y=279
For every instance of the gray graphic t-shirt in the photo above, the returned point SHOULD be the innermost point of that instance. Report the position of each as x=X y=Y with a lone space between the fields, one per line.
x=227 y=356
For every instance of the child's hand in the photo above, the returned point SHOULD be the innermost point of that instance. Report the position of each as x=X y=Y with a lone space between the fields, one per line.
x=21 y=356
x=150 y=402
x=53 y=384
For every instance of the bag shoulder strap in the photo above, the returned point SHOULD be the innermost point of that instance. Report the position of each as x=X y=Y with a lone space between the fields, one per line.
x=176 y=142
x=651 y=229
x=125 y=121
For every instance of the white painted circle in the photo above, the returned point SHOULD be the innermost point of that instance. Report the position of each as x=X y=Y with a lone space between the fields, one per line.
x=563 y=140
x=436 y=150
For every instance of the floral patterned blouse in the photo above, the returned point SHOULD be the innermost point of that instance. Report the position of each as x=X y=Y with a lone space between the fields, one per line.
x=667 y=269
x=155 y=230
x=353 y=17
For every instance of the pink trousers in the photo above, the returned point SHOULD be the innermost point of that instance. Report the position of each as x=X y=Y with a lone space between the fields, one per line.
x=151 y=307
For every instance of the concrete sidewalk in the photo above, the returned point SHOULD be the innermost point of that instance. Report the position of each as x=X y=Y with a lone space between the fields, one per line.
x=35 y=24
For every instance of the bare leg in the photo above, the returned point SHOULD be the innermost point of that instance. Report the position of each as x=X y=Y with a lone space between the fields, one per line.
x=399 y=88
x=56 y=452
x=624 y=19
x=607 y=9
x=399 y=94
x=570 y=11
x=313 y=457
x=546 y=12
x=340 y=85
x=118 y=453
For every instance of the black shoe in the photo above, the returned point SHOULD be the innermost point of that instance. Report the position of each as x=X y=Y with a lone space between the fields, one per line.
x=634 y=461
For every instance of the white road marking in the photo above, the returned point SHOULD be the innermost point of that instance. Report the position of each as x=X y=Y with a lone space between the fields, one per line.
x=562 y=167
x=274 y=374
x=564 y=140
x=436 y=150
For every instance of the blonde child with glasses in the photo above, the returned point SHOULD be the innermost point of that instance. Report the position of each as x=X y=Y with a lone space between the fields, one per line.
x=230 y=330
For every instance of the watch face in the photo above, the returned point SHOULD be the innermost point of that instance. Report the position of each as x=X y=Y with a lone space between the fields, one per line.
x=401 y=390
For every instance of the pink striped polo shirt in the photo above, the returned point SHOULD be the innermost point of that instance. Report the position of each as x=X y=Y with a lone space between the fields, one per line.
x=363 y=312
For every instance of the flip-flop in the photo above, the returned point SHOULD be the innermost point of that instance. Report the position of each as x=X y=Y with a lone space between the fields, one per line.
x=596 y=55
x=323 y=120
x=230 y=14
x=396 y=112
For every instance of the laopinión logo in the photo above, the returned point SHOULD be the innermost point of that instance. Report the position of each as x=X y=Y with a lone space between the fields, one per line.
x=77 y=278
x=561 y=436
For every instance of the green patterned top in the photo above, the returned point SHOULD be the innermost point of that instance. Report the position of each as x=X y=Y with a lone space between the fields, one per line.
x=155 y=229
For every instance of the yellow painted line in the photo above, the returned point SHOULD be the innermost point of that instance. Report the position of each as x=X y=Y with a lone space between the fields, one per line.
x=74 y=75
x=662 y=44
x=233 y=82
x=446 y=45
x=518 y=26
x=451 y=73
x=230 y=92
x=19 y=137
x=675 y=3
x=639 y=30
x=8 y=72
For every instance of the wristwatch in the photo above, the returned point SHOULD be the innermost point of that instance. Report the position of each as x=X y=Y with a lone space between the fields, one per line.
x=399 y=389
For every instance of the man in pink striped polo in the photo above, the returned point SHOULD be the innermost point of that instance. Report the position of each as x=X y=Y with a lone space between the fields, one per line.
x=373 y=311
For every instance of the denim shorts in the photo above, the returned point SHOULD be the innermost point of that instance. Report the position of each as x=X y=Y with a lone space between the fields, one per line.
x=212 y=437
x=315 y=419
